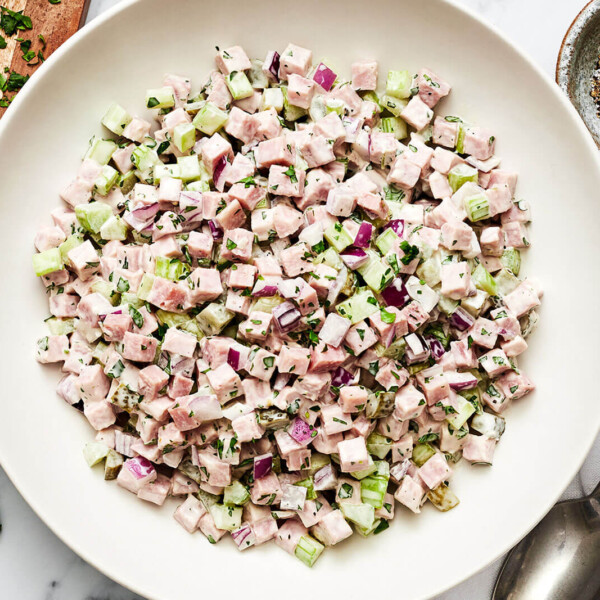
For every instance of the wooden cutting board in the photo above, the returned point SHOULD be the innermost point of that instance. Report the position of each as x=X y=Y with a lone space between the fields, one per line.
x=56 y=22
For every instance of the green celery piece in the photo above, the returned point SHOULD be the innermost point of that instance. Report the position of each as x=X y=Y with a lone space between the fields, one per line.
x=399 y=84
x=210 y=118
x=422 y=453
x=337 y=237
x=460 y=174
x=484 y=281
x=47 y=262
x=92 y=216
x=116 y=118
x=308 y=550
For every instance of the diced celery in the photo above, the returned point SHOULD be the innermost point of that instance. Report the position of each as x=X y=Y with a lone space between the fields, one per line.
x=379 y=445
x=106 y=289
x=272 y=98
x=361 y=514
x=477 y=207
x=189 y=167
x=308 y=483
x=511 y=259
x=226 y=517
x=71 y=242
x=160 y=97
x=506 y=282
x=268 y=303
x=239 y=85
x=101 y=150
x=377 y=527
x=371 y=468
x=47 y=261
x=331 y=258
x=106 y=180
x=464 y=413
x=144 y=157
x=484 y=281
x=92 y=216
x=399 y=84
x=184 y=136
x=334 y=105
x=337 y=236
x=94 y=453
x=422 y=453
x=171 y=268
x=291 y=112
x=114 y=228
x=113 y=464
x=447 y=305
x=394 y=125
x=308 y=550
x=235 y=493
x=393 y=105
x=460 y=138
x=127 y=181
x=475 y=304
x=145 y=286
x=116 y=119
x=385 y=241
x=210 y=118
x=374 y=487
x=359 y=306
x=376 y=273
x=161 y=170
x=443 y=498
x=257 y=76
x=460 y=174
x=317 y=462
x=60 y=326
x=214 y=318
x=198 y=186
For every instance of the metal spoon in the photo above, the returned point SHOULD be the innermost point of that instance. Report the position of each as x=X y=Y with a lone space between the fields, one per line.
x=559 y=559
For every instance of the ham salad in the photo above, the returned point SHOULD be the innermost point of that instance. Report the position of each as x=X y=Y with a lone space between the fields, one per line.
x=290 y=300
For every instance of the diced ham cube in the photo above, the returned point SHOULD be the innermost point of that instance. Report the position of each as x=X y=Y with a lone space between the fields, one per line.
x=435 y=471
x=409 y=403
x=479 y=142
x=410 y=493
x=179 y=342
x=237 y=244
x=189 y=513
x=364 y=75
x=286 y=181
x=294 y=59
x=479 y=449
x=456 y=280
x=431 y=87
x=293 y=360
x=416 y=113
x=404 y=173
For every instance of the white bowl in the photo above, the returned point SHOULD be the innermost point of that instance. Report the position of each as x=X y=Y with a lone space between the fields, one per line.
x=42 y=139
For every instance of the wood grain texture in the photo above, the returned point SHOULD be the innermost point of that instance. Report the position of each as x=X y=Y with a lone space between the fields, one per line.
x=56 y=22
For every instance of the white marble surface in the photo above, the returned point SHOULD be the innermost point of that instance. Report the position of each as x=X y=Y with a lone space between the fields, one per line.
x=36 y=565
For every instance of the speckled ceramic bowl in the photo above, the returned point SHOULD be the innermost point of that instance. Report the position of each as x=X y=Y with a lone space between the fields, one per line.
x=577 y=61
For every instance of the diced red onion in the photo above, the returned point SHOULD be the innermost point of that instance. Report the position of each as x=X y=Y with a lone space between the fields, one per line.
x=286 y=316
x=363 y=237
x=243 y=536
x=217 y=172
x=341 y=377
x=272 y=64
x=267 y=290
x=325 y=478
x=395 y=294
x=461 y=381
x=233 y=359
x=324 y=76
x=105 y=312
x=263 y=465
x=141 y=217
x=436 y=347
x=300 y=431
x=354 y=257
x=396 y=225
x=140 y=467
x=461 y=319
x=215 y=230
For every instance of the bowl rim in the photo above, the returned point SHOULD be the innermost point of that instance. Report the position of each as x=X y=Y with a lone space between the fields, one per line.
x=124 y=5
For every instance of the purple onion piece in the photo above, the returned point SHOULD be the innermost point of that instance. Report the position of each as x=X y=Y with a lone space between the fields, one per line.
x=233 y=359
x=395 y=294
x=215 y=230
x=243 y=534
x=436 y=347
x=286 y=316
x=300 y=431
x=324 y=76
x=341 y=377
x=218 y=171
x=363 y=237
x=461 y=319
x=419 y=352
x=263 y=465
x=272 y=63
x=397 y=226
x=354 y=257
x=459 y=386
x=265 y=291
x=140 y=467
